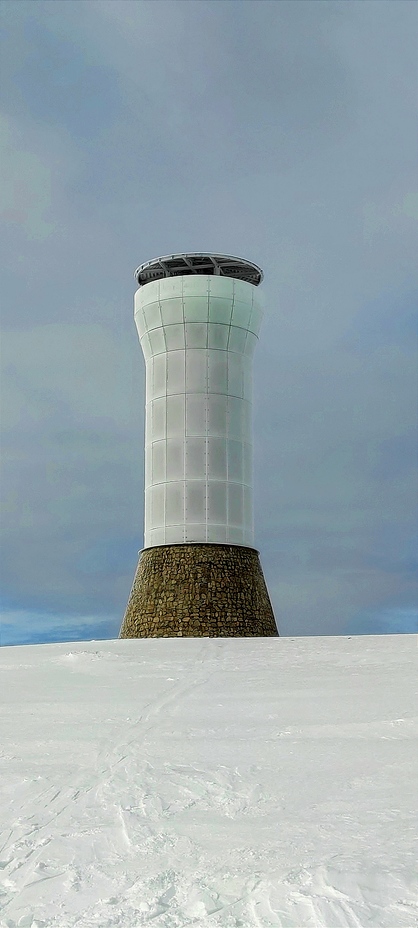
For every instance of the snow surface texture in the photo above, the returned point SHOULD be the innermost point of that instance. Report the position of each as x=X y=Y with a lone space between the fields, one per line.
x=209 y=782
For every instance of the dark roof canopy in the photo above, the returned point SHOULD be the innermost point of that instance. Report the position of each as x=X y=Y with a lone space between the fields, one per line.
x=198 y=263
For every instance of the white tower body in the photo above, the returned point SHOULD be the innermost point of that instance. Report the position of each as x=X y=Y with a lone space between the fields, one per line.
x=198 y=331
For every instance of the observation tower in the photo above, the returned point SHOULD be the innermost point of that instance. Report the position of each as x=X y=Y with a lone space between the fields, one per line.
x=199 y=574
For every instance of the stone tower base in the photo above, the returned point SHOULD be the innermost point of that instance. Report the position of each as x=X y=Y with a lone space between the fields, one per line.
x=199 y=590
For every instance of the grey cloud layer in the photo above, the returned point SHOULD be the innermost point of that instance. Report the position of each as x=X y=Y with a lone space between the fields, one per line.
x=281 y=131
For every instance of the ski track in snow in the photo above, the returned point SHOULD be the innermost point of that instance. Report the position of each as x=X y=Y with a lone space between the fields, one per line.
x=205 y=782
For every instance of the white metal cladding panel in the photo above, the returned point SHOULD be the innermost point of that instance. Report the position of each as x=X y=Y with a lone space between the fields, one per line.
x=198 y=336
x=196 y=298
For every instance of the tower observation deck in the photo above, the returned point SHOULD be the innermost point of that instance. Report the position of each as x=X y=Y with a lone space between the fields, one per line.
x=198 y=263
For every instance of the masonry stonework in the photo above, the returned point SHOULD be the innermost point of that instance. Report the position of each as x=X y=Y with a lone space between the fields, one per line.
x=199 y=590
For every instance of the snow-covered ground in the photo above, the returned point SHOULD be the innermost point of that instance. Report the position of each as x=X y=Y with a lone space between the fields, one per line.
x=209 y=782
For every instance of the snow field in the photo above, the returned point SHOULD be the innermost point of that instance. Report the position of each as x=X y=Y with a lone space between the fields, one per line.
x=226 y=783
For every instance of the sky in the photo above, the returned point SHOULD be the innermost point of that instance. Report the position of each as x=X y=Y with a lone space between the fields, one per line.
x=284 y=132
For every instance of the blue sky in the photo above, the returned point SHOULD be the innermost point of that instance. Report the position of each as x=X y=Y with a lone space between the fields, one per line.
x=283 y=132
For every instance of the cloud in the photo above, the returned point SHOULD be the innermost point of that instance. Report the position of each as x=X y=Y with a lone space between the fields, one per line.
x=387 y=622
x=26 y=188
x=281 y=131
x=29 y=627
x=71 y=451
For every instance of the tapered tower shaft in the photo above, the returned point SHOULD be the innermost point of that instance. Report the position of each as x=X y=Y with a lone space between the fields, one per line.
x=198 y=320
